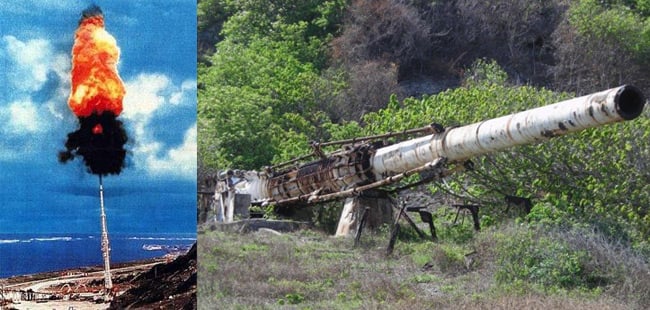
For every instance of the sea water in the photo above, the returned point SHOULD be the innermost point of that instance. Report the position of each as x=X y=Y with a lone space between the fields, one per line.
x=22 y=254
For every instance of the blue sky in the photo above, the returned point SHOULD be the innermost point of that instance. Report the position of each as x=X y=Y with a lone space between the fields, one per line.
x=156 y=192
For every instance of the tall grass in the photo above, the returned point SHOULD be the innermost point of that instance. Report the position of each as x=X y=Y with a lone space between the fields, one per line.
x=308 y=269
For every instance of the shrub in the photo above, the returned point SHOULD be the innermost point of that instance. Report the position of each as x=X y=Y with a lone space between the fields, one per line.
x=620 y=56
x=549 y=263
x=612 y=266
x=577 y=258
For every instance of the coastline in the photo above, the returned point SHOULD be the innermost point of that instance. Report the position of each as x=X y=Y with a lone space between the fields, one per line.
x=17 y=279
x=30 y=254
x=82 y=287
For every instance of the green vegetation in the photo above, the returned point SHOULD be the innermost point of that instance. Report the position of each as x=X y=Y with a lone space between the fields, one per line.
x=513 y=266
x=255 y=92
x=276 y=74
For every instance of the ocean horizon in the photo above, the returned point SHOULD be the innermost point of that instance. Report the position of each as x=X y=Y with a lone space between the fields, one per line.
x=32 y=253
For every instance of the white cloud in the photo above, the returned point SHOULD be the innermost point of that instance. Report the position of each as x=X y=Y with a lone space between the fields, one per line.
x=180 y=161
x=29 y=64
x=31 y=59
x=187 y=86
x=21 y=130
x=26 y=116
x=145 y=95
x=23 y=118
x=151 y=95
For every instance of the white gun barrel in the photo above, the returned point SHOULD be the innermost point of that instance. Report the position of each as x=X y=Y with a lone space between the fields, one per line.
x=527 y=127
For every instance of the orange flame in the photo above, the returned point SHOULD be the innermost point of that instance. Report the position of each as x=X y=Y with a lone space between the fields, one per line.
x=96 y=86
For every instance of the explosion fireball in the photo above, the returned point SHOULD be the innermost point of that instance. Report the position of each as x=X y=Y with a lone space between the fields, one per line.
x=96 y=98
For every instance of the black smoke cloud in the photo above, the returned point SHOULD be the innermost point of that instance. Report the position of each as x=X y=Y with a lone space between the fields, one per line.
x=92 y=10
x=99 y=141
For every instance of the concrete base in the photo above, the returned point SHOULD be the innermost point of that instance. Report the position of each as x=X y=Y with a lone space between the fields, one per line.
x=380 y=212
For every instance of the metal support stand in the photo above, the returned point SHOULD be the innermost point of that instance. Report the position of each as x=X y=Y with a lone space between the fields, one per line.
x=424 y=215
x=473 y=209
x=108 y=283
x=364 y=218
x=395 y=232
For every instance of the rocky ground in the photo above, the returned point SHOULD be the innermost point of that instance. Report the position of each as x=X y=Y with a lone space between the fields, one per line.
x=169 y=285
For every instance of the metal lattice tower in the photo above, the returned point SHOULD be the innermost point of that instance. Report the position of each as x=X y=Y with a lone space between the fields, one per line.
x=108 y=283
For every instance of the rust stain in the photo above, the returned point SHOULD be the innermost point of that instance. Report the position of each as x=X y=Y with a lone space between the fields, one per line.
x=508 y=129
x=548 y=133
x=603 y=108
x=325 y=175
x=591 y=111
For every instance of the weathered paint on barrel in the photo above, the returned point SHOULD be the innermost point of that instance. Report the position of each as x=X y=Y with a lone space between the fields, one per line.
x=527 y=127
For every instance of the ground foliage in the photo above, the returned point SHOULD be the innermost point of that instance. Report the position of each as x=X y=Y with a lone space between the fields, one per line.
x=491 y=269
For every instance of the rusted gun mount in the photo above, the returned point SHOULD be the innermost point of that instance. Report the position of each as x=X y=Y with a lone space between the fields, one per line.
x=368 y=163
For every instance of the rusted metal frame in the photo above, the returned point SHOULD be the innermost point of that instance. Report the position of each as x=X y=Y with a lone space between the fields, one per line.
x=346 y=171
x=436 y=164
x=319 y=180
x=308 y=183
x=312 y=198
x=364 y=218
x=289 y=162
x=396 y=227
x=395 y=231
x=455 y=169
x=285 y=184
x=342 y=170
x=457 y=214
x=411 y=222
x=350 y=171
x=426 y=217
x=317 y=152
x=473 y=209
x=297 y=159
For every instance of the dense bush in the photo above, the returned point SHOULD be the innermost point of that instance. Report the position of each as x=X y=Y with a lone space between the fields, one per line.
x=256 y=99
x=533 y=257
x=515 y=33
x=551 y=259
x=602 y=44
x=385 y=30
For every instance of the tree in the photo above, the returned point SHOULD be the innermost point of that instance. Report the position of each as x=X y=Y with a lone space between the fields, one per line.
x=255 y=91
